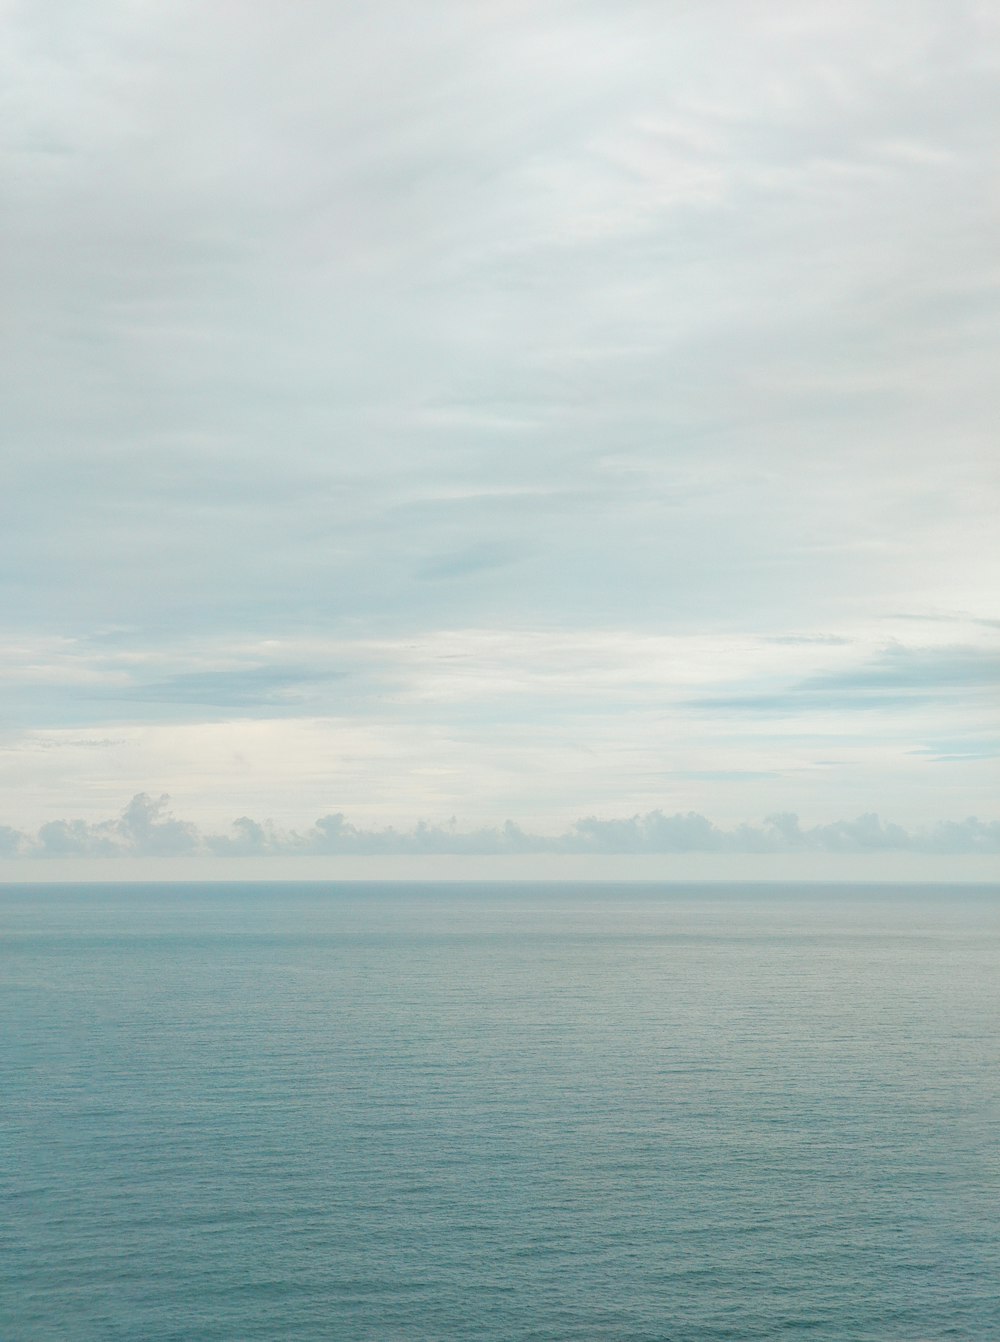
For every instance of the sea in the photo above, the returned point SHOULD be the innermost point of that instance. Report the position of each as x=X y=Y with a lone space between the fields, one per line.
x=660 y=1113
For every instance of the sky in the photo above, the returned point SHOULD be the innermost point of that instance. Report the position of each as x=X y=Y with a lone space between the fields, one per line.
x=562 y=429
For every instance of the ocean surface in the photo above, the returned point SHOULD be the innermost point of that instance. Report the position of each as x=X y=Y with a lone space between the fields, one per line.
x=380 y=1112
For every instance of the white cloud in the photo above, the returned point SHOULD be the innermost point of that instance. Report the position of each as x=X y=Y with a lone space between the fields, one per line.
x=540 y=725
x=416 y=405
x=146 y=829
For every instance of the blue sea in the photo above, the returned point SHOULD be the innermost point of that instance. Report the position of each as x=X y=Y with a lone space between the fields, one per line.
x=549 y=1112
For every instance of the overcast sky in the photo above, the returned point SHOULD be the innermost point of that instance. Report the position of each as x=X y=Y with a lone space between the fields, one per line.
x=495 y=410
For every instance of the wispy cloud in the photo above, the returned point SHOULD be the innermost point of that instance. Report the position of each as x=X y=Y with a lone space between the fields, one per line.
x=534 y=408
x=895 y=678
x=542 y=724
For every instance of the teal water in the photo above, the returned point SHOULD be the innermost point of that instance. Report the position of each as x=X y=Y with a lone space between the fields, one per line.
x=488 y=1112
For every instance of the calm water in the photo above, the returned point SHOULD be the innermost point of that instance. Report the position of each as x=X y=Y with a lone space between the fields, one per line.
x=488 y=1112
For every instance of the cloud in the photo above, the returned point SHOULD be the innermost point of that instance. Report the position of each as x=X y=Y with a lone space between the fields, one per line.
x=145 y=828
x=272 y=687
x=12 y=841
x=527 y=407
x=692 y=833
x=542 y=725
x=675 y=253
x=895 y=678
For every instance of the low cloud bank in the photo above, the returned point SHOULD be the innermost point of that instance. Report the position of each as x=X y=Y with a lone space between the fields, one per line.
x=146 y=828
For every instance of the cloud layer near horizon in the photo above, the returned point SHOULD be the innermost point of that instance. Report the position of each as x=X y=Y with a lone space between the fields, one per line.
x=147 y=829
